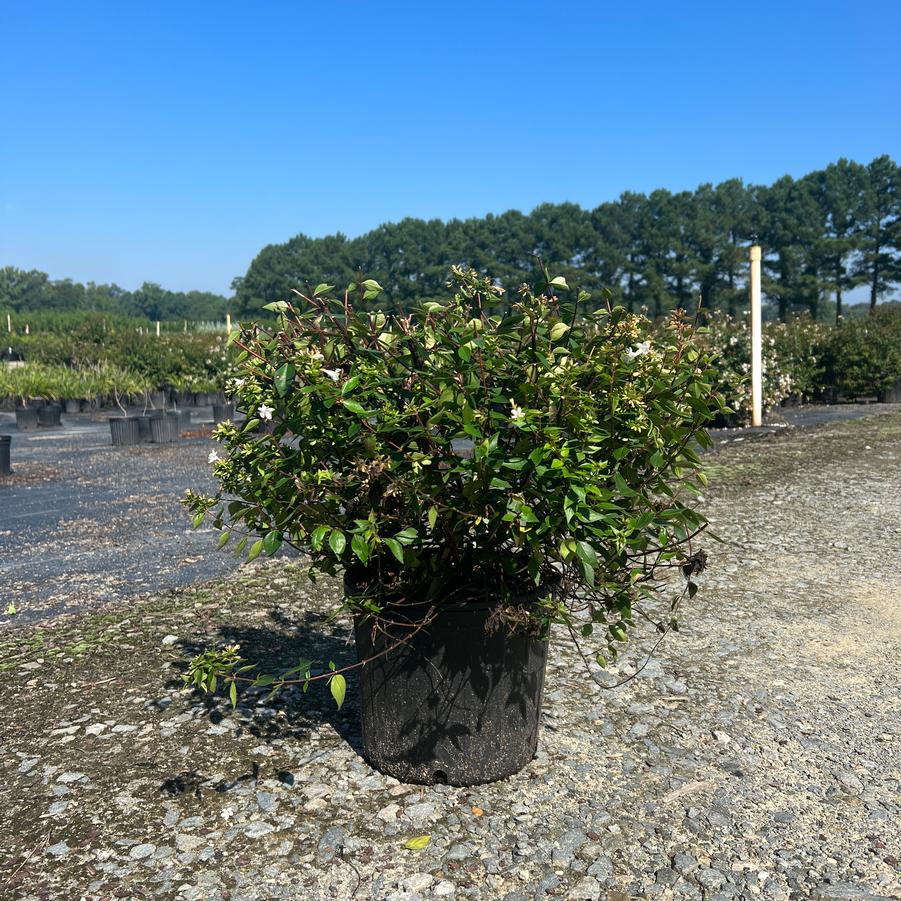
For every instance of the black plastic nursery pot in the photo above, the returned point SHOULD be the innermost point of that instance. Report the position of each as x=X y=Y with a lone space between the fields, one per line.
x=156 y=399
x=456 y=704
x=124 y=430
x=144 y=427
x=26 y=418
x=223 y=412
x=49 y=416
x=5 y=468
x=182 y=420
x=163 y=429
x=73 y=406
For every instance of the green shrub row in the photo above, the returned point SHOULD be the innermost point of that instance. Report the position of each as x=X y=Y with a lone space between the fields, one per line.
x=99 y=356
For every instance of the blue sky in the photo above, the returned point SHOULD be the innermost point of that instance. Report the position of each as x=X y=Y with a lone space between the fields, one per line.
x=170 y=142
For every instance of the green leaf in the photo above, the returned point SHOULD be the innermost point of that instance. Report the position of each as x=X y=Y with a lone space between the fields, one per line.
x=558 y=330
x=354 y=407
x=255 y=550
x=337 y=542
x=371 y=289
x=433 y=517
x=321 y=289
x=233 y=694
x=395 y=547
x=278 y=306
x=418 y=843
x=284 y=376
x=10 y=609
x=318 y=534
x=198 y=519
x=272 y=542
x=586 y=553
x=560 y=282
x=223 y=539
x=621 y=485
x=338 y=687
x=360 y=547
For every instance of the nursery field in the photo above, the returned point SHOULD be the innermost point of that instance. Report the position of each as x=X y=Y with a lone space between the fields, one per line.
x=756 y=756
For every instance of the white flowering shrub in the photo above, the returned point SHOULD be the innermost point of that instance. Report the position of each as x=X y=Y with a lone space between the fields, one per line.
x=452 y=454
x=730 y=340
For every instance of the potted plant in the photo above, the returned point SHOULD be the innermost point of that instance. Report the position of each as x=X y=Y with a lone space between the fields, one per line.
x=480 y=479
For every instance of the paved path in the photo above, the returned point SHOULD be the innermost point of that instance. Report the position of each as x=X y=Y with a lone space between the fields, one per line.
x=83 y=523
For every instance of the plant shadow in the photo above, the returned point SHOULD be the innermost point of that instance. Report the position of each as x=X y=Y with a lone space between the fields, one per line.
x=276 y=645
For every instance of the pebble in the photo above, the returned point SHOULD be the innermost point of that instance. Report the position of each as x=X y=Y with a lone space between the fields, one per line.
x=421 y=813
x=258 y=829
x=418 y=882
x=332 y=841
x=60 y=849
x=388 y=813
x=186 y=842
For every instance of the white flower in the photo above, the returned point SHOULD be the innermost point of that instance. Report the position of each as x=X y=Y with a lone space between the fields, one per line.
x=264 y=412
x=213 y=457
x=316 y=355
x=333 y=374
x=239 y=383
x=516 y=412
x=639 y=350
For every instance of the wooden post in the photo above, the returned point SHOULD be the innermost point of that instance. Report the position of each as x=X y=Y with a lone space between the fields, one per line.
x=756 y=340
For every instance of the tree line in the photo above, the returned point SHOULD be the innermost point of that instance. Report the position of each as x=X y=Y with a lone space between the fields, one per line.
x=33 y=291
x=823 y=235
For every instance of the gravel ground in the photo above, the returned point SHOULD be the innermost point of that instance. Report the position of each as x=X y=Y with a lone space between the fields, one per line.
x=757 y=756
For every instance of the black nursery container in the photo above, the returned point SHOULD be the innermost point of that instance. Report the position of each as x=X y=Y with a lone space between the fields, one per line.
x=456 y=704
x=124 y=430
x=26 y=418
x=5 y=468
x=223 y=412
x=49 y=416
x=181 y=422
x=144 y=427
x=163 y=429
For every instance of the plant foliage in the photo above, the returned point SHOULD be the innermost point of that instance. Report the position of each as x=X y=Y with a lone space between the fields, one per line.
x=450 y=453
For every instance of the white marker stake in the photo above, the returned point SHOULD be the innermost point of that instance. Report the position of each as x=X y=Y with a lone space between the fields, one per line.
x=9 y=324
x=228 y=323
x=756 y=341
x=157 y=328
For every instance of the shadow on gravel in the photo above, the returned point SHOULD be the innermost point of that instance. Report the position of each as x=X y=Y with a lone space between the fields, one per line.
x=291 y=714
